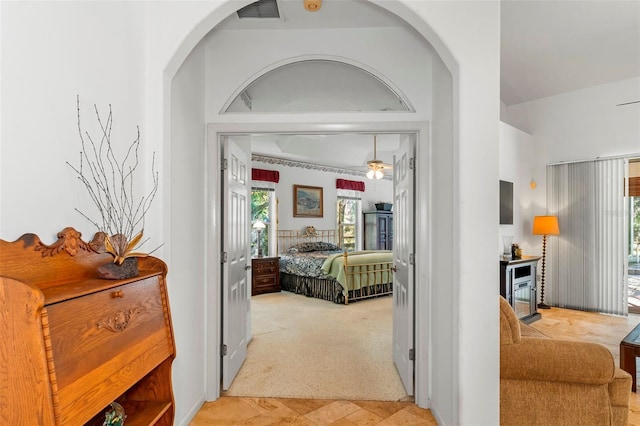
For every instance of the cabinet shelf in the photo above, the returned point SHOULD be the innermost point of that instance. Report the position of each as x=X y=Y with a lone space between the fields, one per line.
x=139 y=413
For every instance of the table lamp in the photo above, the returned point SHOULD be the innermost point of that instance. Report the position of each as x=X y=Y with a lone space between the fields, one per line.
x=259 y=226
x=544 y=225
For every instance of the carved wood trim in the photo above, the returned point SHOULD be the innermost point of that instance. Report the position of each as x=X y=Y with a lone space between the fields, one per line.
x=50 y=363
x=120 y=321
x=167 y=316
x=69 y=240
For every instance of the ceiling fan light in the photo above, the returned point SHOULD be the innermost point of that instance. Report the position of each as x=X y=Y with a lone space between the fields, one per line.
x=379 y=174
x=371 y=173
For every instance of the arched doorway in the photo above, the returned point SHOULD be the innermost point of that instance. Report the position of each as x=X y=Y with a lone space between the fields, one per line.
x=423 y=249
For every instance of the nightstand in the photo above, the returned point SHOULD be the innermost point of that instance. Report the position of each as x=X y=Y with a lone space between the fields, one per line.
x=265 y=275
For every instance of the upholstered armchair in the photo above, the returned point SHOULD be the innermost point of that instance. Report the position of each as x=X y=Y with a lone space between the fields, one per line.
x=546 y=381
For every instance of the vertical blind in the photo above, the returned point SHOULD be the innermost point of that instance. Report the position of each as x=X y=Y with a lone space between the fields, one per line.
x=587 y=262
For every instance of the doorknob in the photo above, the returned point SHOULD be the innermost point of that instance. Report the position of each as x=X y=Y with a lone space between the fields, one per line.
x=394 y=269
x=247 y=267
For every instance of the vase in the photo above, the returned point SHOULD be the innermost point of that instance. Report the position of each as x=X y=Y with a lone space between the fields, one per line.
x=507 y=240
x=113 y=271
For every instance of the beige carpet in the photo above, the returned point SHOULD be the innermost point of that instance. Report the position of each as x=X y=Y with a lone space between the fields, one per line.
x=310 y=348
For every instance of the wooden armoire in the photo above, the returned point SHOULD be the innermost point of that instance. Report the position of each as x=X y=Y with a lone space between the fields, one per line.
x=378 y=230
x=72 y=343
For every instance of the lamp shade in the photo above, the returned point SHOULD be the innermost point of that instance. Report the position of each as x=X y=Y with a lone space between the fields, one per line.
x=259 y=225
x=545 y=225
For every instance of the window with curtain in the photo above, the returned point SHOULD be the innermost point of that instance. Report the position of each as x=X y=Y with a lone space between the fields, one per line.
x=348 y=210
x=587 y=262
x=347 y=218
x=263 y=187
x=261 y=210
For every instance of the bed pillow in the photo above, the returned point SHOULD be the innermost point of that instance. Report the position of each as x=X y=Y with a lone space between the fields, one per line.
x=313 y=246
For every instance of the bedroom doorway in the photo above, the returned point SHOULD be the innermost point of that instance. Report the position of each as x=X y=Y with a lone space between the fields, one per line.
x=406 y=292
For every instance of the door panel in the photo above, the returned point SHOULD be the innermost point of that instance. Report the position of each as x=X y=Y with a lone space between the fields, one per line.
x=235 y=276
x=403 y=249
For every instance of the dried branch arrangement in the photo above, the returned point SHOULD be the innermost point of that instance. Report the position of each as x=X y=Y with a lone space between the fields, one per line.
x=110 y=184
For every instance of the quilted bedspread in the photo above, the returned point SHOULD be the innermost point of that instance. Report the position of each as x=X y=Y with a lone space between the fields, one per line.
x=306 y=264
x=334 y=267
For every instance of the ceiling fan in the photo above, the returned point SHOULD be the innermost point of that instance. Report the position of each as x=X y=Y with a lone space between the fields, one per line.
x=376 y=166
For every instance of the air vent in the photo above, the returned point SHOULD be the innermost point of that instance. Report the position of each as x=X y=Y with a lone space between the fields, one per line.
x=260 y=9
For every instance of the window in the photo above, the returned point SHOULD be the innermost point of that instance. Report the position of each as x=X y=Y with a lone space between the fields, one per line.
x=337 y=86
x=261 y=210
x=348 y=211
x=263 y=186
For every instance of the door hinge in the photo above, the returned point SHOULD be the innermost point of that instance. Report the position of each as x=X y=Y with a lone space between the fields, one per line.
x=412 y=354
x=412 y=259
x=224 y=164
x=224 y=257
x=412 y=163
x=223 y=350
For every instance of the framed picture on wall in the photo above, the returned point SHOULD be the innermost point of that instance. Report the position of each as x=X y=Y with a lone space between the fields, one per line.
x=307 y=201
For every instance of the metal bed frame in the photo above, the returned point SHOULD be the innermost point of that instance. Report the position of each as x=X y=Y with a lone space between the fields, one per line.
x=322 y=287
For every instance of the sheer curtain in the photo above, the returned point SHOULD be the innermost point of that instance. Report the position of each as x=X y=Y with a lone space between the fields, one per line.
x=587 y=262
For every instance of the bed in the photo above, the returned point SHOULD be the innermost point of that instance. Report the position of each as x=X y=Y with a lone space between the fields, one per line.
x=312 y=264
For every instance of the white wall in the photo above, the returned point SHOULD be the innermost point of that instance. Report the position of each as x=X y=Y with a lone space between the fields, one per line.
x=441 y=204
x=579 y=125
x=238 y=57
x=582 y=124
x=187 y=200
x=52 y=52
x=471 y=30
x=127 y=53
x=375 y=190
x=518 y=165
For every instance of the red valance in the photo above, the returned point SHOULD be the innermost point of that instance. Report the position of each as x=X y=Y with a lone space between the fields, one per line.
x=354 y=185
x=265 y=175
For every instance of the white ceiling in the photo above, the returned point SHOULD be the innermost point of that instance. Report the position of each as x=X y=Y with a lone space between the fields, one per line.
x=551 y=47
x=347 y=150
x=547 y=47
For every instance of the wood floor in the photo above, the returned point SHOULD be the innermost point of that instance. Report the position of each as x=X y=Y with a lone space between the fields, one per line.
x=607 y=330
x=311 y=412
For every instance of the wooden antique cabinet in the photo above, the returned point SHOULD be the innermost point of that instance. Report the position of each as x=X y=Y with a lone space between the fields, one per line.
x=378 y=230
x=265 y=275
x=72 y=343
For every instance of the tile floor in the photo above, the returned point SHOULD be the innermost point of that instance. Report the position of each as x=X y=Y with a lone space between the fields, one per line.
x=557 y=323
x=311 y=412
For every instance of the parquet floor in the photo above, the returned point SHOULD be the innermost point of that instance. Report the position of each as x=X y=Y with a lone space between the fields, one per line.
x=310 y=412
x=558 y=323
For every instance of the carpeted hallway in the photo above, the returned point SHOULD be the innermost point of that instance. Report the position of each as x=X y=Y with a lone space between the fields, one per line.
x=309 y=348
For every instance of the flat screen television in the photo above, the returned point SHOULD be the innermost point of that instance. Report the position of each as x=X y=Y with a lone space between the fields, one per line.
x=506 y=203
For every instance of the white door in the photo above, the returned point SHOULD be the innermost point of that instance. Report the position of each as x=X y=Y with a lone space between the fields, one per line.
x=403 y=249
x=236 y=260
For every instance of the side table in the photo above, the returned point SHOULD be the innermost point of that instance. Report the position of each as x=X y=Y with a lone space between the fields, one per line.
x=629 y=350
x=265 y=275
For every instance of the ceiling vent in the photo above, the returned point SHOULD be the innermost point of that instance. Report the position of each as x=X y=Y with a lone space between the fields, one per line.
x=260 y=9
